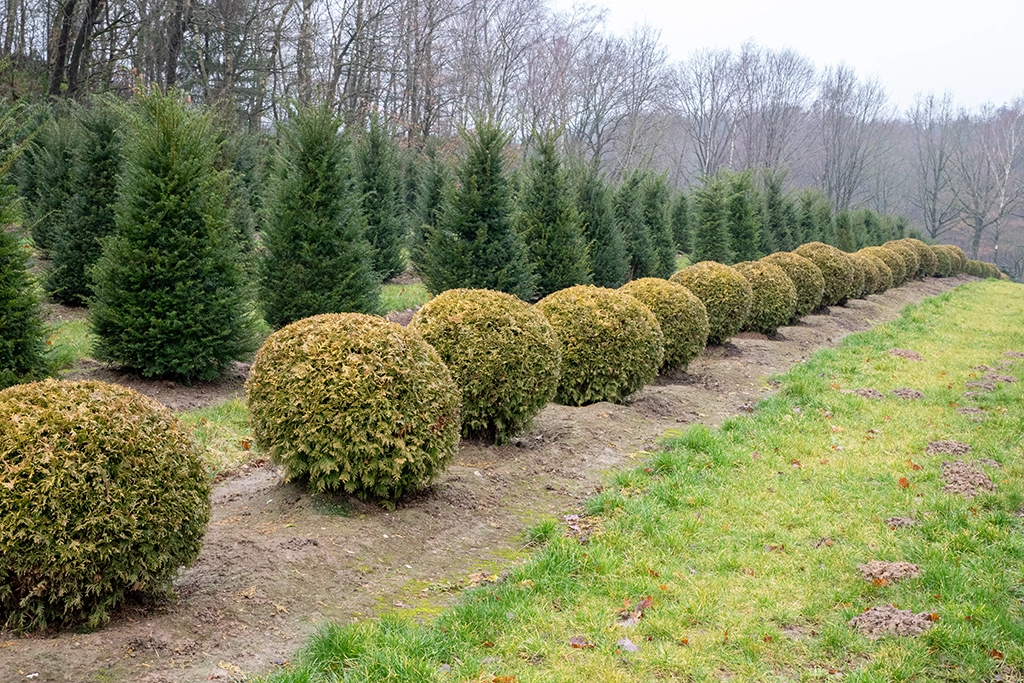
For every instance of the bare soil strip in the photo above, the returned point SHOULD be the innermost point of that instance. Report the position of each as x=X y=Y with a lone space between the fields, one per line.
x=278 y=562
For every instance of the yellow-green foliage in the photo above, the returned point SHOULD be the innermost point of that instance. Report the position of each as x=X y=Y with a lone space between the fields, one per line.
x=503 y=354
x=909 y=256
x=884 y=273
x=961 y=258
x=806 y=278
x=681 y=315
x=354 y=402
x=943 y=260
x=893 y=259
x=612 y=344
x=103 y=496
x=870 y=276
x=773 y=296
x=981 y=269
x=725 y=293
x=840 y=275
x=924 y=254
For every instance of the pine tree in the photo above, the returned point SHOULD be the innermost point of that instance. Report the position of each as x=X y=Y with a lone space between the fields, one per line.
x=380 y=187
x=316 y=257
x=711 y=230
x=434 y=183
x=608 y=258
x=774 y=216
x=744 y=218
x=629 y=214
x=681 y=229
x=474 y=244
x=845 y=239
x=76 y=245
x=656 y=198
x=22 y=335
x=550 y=223
x=169 y=293
x=791 y=216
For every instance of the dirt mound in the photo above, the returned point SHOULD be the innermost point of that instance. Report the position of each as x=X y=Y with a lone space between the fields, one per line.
x=970 y=410
x=1014 y=354
x=177 y=397
x=901 y=522
x=964 y=479
x=948 y=447
x=904 y=353
x=873 y=394
x=878 y=571
x=996 y=377
x=989 y=462
x=888 y=620
x=981 y=384
x=403 y=318
x=907 y=394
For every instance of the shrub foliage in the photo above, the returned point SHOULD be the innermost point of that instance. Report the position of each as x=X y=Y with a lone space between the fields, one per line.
x=891 y=258
x=773 y=296
x=612 y=344
x=806 y=277
x=347 y=401
x=725 y=293
x=681 y=316
x=105 y=497
x=503 y=354
x=837 y=270
x=943 y=261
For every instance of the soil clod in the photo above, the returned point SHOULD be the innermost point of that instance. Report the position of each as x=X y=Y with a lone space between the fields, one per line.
x=996 y=377
x=983 y=385
x=888 y=572
x=1014 y=354
x=907 y=394
x=873 y=394
x=901 y=522
x=888 y=620
x=905 y=354
x=948 y=447
x=970 y=410
x=964 y=479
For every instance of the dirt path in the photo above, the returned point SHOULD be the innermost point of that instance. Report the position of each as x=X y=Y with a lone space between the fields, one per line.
x=277 y=562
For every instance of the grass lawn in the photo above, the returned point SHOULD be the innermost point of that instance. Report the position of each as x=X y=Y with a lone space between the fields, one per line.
x=732 y=553
x=400 y=297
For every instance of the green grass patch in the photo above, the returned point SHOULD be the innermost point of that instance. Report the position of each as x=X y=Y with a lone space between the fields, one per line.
x=400 y=297
x=69 y=342
x=746 y=539
x=223 y=433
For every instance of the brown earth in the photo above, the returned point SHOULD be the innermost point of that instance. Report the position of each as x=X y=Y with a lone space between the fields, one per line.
x=888 y=572
x=907 y=394
x=889 y=620
x=965 y=479
x=277 y=562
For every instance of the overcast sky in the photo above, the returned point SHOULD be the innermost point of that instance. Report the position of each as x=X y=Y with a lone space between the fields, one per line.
x=973 y=48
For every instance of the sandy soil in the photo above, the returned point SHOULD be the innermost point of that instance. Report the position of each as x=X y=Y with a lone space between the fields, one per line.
x=277 y=562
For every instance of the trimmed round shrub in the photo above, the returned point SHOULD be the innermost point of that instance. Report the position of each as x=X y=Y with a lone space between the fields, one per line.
x=773 y=297
x=681 y=316
x=869 y=274
x=806 y=278
x=725 y=293
x=503 y=354
x=893 y=259
x=884 y=273
x=836 y=268
x=961 y=258
x=943 y=261
x=104 y=498
x=909 y=256
x=924 y=254
x=349 y=401
x=976 y=268
x=612 y=344
x=992 y=271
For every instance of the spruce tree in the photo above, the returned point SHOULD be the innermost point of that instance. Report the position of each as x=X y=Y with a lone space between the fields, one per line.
x=474 y=244
x=550 y=223
x=629 y=214
x=774 y=212
x=845 y=239
x=50 y=162
x=90 y=211
x=22 y=335
x=434 y=182
x=608 y=258
x=681 y=229
x=380 y=188
x=656 y=197
x=169 y=297
x=744 y=218
x=316 y=258
x=711 y=227
x=791 y=216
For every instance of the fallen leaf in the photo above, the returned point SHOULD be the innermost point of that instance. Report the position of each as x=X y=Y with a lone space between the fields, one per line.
x=767 y=639
x=880 y=582
x=245 y=444
x=645 y=603
x=996 y=654
x=795 y=463
x=580 y=643
x=503 y=679
x=684 y=641
x=627 y=645
x=904 y=483
x=934 y=616
x=913 y=465
x=837 y=429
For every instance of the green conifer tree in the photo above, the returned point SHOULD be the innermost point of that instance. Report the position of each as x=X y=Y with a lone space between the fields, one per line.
x=434 y=185
x=550 y=222
x=680 y=217
x=22 y=335
x=774 y=214
x=380 y=188
x=316 y=257
x=744 y=217
x=791 y=216
x=50 y=162
x=169 y=297
x=845 y=238
x=711 y=236
x=474 y=244
x=608 y=258
x=76 y=245
x=629 y=214
x=656 y=198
